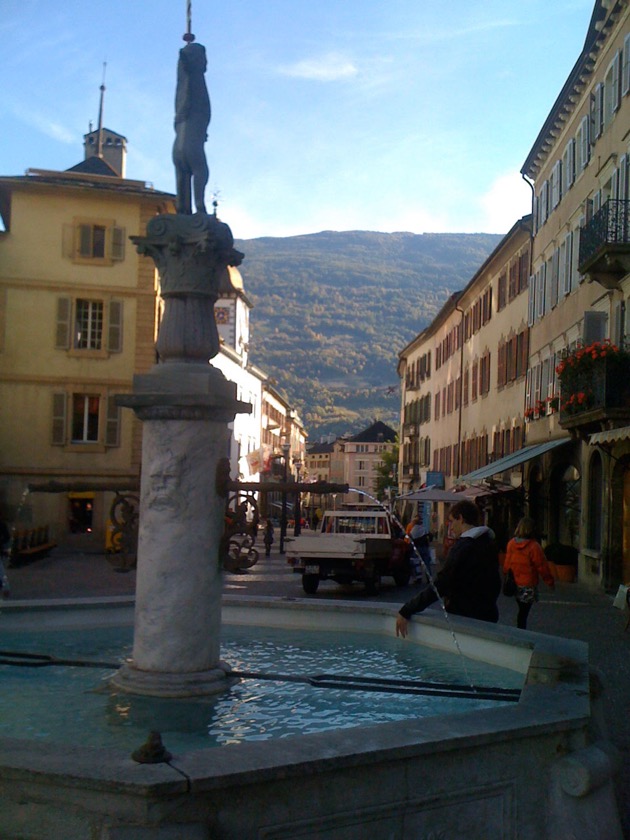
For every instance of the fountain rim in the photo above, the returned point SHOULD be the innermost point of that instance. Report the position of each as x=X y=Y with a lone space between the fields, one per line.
x=555 y=698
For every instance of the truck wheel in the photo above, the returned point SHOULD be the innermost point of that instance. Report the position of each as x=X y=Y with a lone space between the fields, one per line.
x=310 y=583
x=372 y=585
x=402 y=578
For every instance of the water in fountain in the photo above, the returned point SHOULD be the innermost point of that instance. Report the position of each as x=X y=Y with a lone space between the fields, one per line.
x=429 y=578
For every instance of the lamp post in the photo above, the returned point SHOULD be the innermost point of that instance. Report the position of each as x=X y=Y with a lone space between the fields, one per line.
x=297 y=530
x=286 y=447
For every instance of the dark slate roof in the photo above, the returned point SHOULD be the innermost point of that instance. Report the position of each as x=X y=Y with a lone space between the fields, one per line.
x=319 y=448
x=378 y=432
x=94 y=165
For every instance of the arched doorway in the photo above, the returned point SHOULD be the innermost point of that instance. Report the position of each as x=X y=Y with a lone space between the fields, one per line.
x=619 y=551
x=565 y=506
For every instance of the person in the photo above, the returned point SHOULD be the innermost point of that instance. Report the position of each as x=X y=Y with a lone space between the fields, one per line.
x=421 y=537
x=469 y=581
x=528 y=562
x=268 y=538
x=5 y=548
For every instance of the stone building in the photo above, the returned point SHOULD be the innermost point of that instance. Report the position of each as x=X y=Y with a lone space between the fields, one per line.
x=579 y=491
x=463 y=379
x=354 y=460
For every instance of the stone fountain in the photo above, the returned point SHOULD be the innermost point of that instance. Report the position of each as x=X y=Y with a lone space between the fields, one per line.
x=185 y=405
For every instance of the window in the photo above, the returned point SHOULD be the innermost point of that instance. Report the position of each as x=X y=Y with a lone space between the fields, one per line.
x=568 y=166
x=583 y=144
x=612 y=90
x=98 y=241
x=556 y=184
x=83 y=324
x=88 y=325
x=597 y=112
x=85 y=418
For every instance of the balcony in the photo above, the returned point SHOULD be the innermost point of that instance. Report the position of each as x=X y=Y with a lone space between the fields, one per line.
x=601 y=396
x=605 y=244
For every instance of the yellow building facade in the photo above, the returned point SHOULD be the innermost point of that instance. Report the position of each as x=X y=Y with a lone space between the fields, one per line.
x=78 y=318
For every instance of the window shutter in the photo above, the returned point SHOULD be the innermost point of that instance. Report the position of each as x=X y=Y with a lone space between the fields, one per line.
x=85 y=241
x=114 y=332
x=617 y=336
x=568 y=262
x=615 y=98
x=623 y=178
x=118 y=243
x=112 y=427
x=59 y=408
x=67 y=242
x=64 y=323
x=625 y=78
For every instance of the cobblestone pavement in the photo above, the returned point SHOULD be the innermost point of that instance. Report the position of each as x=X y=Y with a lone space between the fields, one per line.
x=572 y=611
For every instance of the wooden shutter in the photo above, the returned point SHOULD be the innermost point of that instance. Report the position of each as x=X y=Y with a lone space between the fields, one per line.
x=63 y=331
x=59 y=409
x=112 y=426
x=594 y=328
x=84 y=233
x=114 y=330
x=117 y=249
x=67 y=241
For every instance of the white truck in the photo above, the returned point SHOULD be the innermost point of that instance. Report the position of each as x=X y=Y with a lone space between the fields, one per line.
x=348 y=546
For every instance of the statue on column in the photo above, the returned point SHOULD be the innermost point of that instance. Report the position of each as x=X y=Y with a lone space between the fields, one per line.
x=192 y=117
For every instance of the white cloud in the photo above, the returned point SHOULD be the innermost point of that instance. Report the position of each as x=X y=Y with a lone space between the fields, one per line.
x=504 y=203
x=47 y=126
x=326 y=68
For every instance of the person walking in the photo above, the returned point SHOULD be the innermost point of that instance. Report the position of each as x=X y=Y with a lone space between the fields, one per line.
x=421 y=537
x=268 y=538
x=469 y=581
x=528 y=563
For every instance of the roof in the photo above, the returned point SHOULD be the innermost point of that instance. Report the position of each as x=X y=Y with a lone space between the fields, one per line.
x=570 y=93
x=94 y=166
x=378 y=432
x=81 y=181
x=319 y=448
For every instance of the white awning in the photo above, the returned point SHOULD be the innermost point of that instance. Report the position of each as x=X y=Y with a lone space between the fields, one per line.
x=514 y=460
x=610 y=436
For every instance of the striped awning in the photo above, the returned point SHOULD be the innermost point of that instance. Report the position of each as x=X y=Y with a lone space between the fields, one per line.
x=610 y=436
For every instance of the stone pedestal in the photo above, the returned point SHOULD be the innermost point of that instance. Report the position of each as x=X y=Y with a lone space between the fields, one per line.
x=185 y=405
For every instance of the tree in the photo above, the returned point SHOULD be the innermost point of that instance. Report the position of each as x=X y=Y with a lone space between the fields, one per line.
x=387 y=472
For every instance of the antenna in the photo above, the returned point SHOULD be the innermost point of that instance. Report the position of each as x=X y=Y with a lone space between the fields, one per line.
x=188 y=36
x=99 y=147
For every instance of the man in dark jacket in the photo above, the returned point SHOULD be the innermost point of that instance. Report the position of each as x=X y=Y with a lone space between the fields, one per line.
x=469 y=581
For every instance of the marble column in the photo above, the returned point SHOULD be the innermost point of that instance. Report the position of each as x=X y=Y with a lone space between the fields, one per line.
x=185 y=406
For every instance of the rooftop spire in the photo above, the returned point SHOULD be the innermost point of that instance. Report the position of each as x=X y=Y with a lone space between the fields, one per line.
x=99 y=150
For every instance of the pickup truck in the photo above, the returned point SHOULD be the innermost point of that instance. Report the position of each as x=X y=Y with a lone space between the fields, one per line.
x=348 y=546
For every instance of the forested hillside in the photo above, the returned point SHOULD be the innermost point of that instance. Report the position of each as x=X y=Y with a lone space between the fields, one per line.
x=332 y=310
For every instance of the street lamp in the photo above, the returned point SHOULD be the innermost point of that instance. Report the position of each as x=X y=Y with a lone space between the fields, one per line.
x=297 y=530
x=286 y=447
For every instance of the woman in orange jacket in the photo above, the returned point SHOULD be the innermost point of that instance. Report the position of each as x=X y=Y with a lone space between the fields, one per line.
x=528 y=562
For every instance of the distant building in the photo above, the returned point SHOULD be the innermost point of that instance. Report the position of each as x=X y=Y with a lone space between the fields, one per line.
x=354 y=461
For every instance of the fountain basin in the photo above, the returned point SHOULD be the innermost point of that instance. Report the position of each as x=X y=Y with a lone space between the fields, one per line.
x=497 y=773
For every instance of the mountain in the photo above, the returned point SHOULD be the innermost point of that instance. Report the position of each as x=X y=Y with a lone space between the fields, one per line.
x=333 y=309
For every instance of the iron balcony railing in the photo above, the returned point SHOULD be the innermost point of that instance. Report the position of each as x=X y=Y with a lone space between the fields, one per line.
x=610 y=226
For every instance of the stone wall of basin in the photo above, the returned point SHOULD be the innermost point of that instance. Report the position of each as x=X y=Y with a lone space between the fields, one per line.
x=536 y=769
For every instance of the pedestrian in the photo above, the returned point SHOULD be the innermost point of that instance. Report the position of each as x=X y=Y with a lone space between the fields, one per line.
x=268 y=538
x=527 y=560
x=5 y=548
x=469 y=581
x=420 y=536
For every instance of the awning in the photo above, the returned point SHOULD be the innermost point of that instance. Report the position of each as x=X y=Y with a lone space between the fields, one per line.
x=510 y=461
x=435 y=494
x=610 y=436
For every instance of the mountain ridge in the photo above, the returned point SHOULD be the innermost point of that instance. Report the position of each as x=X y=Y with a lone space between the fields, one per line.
x=333 y=309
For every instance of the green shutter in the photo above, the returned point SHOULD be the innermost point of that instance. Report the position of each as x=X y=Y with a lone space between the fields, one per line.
x=114 y=332
x=64 y=323
x=112 y=429
x=59 y=408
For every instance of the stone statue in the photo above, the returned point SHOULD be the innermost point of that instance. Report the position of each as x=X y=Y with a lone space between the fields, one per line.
x=192 y=117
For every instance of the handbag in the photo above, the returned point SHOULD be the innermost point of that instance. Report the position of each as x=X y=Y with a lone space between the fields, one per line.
x=509 y=584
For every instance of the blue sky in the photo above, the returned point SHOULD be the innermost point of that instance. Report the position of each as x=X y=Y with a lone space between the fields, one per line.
x=411 y=115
